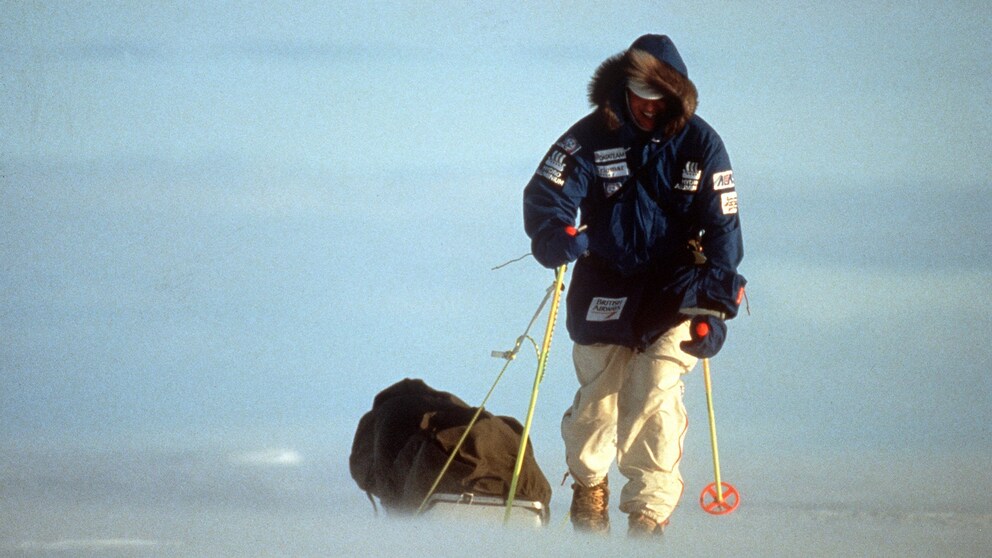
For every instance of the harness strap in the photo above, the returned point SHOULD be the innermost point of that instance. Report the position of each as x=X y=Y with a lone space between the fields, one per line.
x=375 y=508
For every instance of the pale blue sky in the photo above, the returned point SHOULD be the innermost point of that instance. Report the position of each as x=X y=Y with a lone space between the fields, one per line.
x=849 y=89
x=240 y=221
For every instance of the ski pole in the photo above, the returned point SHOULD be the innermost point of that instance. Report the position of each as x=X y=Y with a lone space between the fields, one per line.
x=713 y=499
x=541 y=363
x=713 y=443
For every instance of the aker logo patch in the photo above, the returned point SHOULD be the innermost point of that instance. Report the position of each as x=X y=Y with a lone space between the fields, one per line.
x=691 y=175
x=728 y=202
x=616 y=170
x=569 y=144
x=723 y=180
x=555 y=167
x=610 y=155
x=605 y=309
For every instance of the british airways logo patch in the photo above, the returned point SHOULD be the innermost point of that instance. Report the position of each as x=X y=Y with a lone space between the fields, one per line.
x=605 y=309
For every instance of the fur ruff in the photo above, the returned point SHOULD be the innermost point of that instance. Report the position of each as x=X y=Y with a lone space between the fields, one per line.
x=608 y=85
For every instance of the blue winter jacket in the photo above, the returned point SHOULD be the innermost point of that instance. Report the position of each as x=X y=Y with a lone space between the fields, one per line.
x=647 y=201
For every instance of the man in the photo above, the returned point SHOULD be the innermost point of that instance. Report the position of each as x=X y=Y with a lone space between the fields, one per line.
x=656 y=276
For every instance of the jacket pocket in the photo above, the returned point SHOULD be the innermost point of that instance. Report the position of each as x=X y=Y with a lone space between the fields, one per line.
x=603 y=304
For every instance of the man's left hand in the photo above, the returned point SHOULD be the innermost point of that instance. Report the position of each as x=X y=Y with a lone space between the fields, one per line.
x=708 y=334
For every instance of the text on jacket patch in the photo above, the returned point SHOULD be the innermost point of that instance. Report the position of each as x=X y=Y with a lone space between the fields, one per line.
x=691 y=175
x=610 y=155
x=605 y=309
x=723 y=180
x=554 y=168
x=615 y=170
x=728 y=202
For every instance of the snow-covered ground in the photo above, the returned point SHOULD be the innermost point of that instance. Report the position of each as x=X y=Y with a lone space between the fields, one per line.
x=282 y=502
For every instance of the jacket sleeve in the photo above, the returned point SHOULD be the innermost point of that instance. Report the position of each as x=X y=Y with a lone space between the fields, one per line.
x=552 y=198
x=717 y=288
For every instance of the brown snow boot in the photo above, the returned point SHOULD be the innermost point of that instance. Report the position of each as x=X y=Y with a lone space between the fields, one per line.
x=590 y=508
x=640 y=526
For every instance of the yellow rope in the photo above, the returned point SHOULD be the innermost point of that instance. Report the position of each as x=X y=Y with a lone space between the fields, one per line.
x=509 y=356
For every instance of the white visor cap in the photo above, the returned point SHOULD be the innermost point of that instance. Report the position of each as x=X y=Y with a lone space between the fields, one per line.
x=643 y=90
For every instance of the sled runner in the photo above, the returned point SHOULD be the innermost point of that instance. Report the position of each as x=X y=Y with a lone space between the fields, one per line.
x=486 y=508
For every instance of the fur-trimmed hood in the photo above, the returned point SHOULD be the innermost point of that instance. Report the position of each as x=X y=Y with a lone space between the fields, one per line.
x=654 y=60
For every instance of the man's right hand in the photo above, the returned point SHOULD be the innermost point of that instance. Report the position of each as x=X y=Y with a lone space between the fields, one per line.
x=563 y=246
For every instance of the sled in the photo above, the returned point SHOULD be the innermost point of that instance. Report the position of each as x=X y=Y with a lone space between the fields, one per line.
x=486 y=508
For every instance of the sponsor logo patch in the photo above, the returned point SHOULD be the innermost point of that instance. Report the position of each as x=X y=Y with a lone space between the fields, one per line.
x=605 y=309
x=556 y=160
x=554 y=167
x=610 y=188
x=569 y=144
x=728 y=202
x=691 y=175
x=610 y=155
x=723 y=180
x=615 y=170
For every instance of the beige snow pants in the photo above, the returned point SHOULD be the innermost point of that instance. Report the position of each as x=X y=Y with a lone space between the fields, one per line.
x=629 y=407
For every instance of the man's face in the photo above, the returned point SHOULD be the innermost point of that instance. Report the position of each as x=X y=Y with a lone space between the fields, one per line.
x=645 y=112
